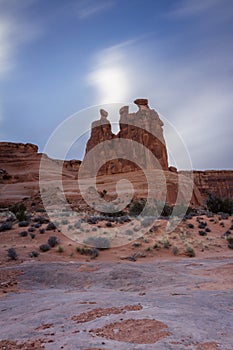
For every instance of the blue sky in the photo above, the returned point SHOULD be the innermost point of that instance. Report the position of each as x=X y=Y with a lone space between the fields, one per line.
x=58 y=57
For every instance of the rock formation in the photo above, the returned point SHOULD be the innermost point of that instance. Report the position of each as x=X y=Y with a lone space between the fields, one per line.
x=218 y=182
x=143 y=128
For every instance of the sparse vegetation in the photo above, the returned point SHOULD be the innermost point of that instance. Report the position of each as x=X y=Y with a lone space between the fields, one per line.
x=217 y=204
x=136 y=244
x=51 y=227
x=136 y=207
x=11 y=253
x=175 y=250
x=5 y=226
x=19 y=210
x=45 y=247
x=156 y=246
x=190 y=225
x=103 y=193
x=190 y=252
x=166 y=244
x=34 y=254
x=92 y=252
x=23 y=233
x=98 y=242
x=230 y=242
x=52 y=241
x=148 y=249
x=23 y=223
x=202 y=233
x=60 y=249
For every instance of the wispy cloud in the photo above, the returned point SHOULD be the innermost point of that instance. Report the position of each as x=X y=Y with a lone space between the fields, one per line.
x=15 y=31
x=186 y=8
x=88 y=8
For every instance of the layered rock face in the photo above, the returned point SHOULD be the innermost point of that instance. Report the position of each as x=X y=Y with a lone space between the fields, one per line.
x=19 y=170
x=218 y=182
x=145 y=146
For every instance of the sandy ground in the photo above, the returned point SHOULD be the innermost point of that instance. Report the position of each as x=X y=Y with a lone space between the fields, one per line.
x=64 y=300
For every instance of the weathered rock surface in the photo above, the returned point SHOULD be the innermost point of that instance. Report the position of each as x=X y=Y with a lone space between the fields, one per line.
x=218 y=182
x=19 y=170
x=144 y=131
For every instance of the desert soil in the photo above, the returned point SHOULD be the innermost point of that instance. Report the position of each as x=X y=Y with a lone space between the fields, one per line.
x=158 y=302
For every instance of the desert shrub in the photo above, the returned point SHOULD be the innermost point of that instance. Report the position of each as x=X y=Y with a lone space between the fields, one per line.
x=136 y=244
x=11 y=253
x=7 y=177
x=41 y=220
x=38 y=225
x=42 y=231
x=23 y=223
x=166 y=244
x=175 y=250
x=6 y=226
x=180 y=209
x=52 y=241
x=23 y=233
x=148 y=249
x=34 y=254
x=190 y=252
x=136 y=207
x=51 y=227
x=230 y=242
x=31 y=229
x=92 y=252
x=223 y=216
x=156 y=246
x=45 y=247
x=217 y=204
x=60 y=249
x=202 y=224
x=207 y=229
x=129 y=232
x=78 y=224
x=32 y=235
x=19 y=210
x=190 y=225
x=98 y=242
x=103 y=193
x=202 y=233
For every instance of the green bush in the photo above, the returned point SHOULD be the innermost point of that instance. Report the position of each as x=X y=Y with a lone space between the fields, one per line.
x=216 y=204
x=190 y=252
x=19 y=210
x=92 y=252
x=136 y=207
x=230 y=242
